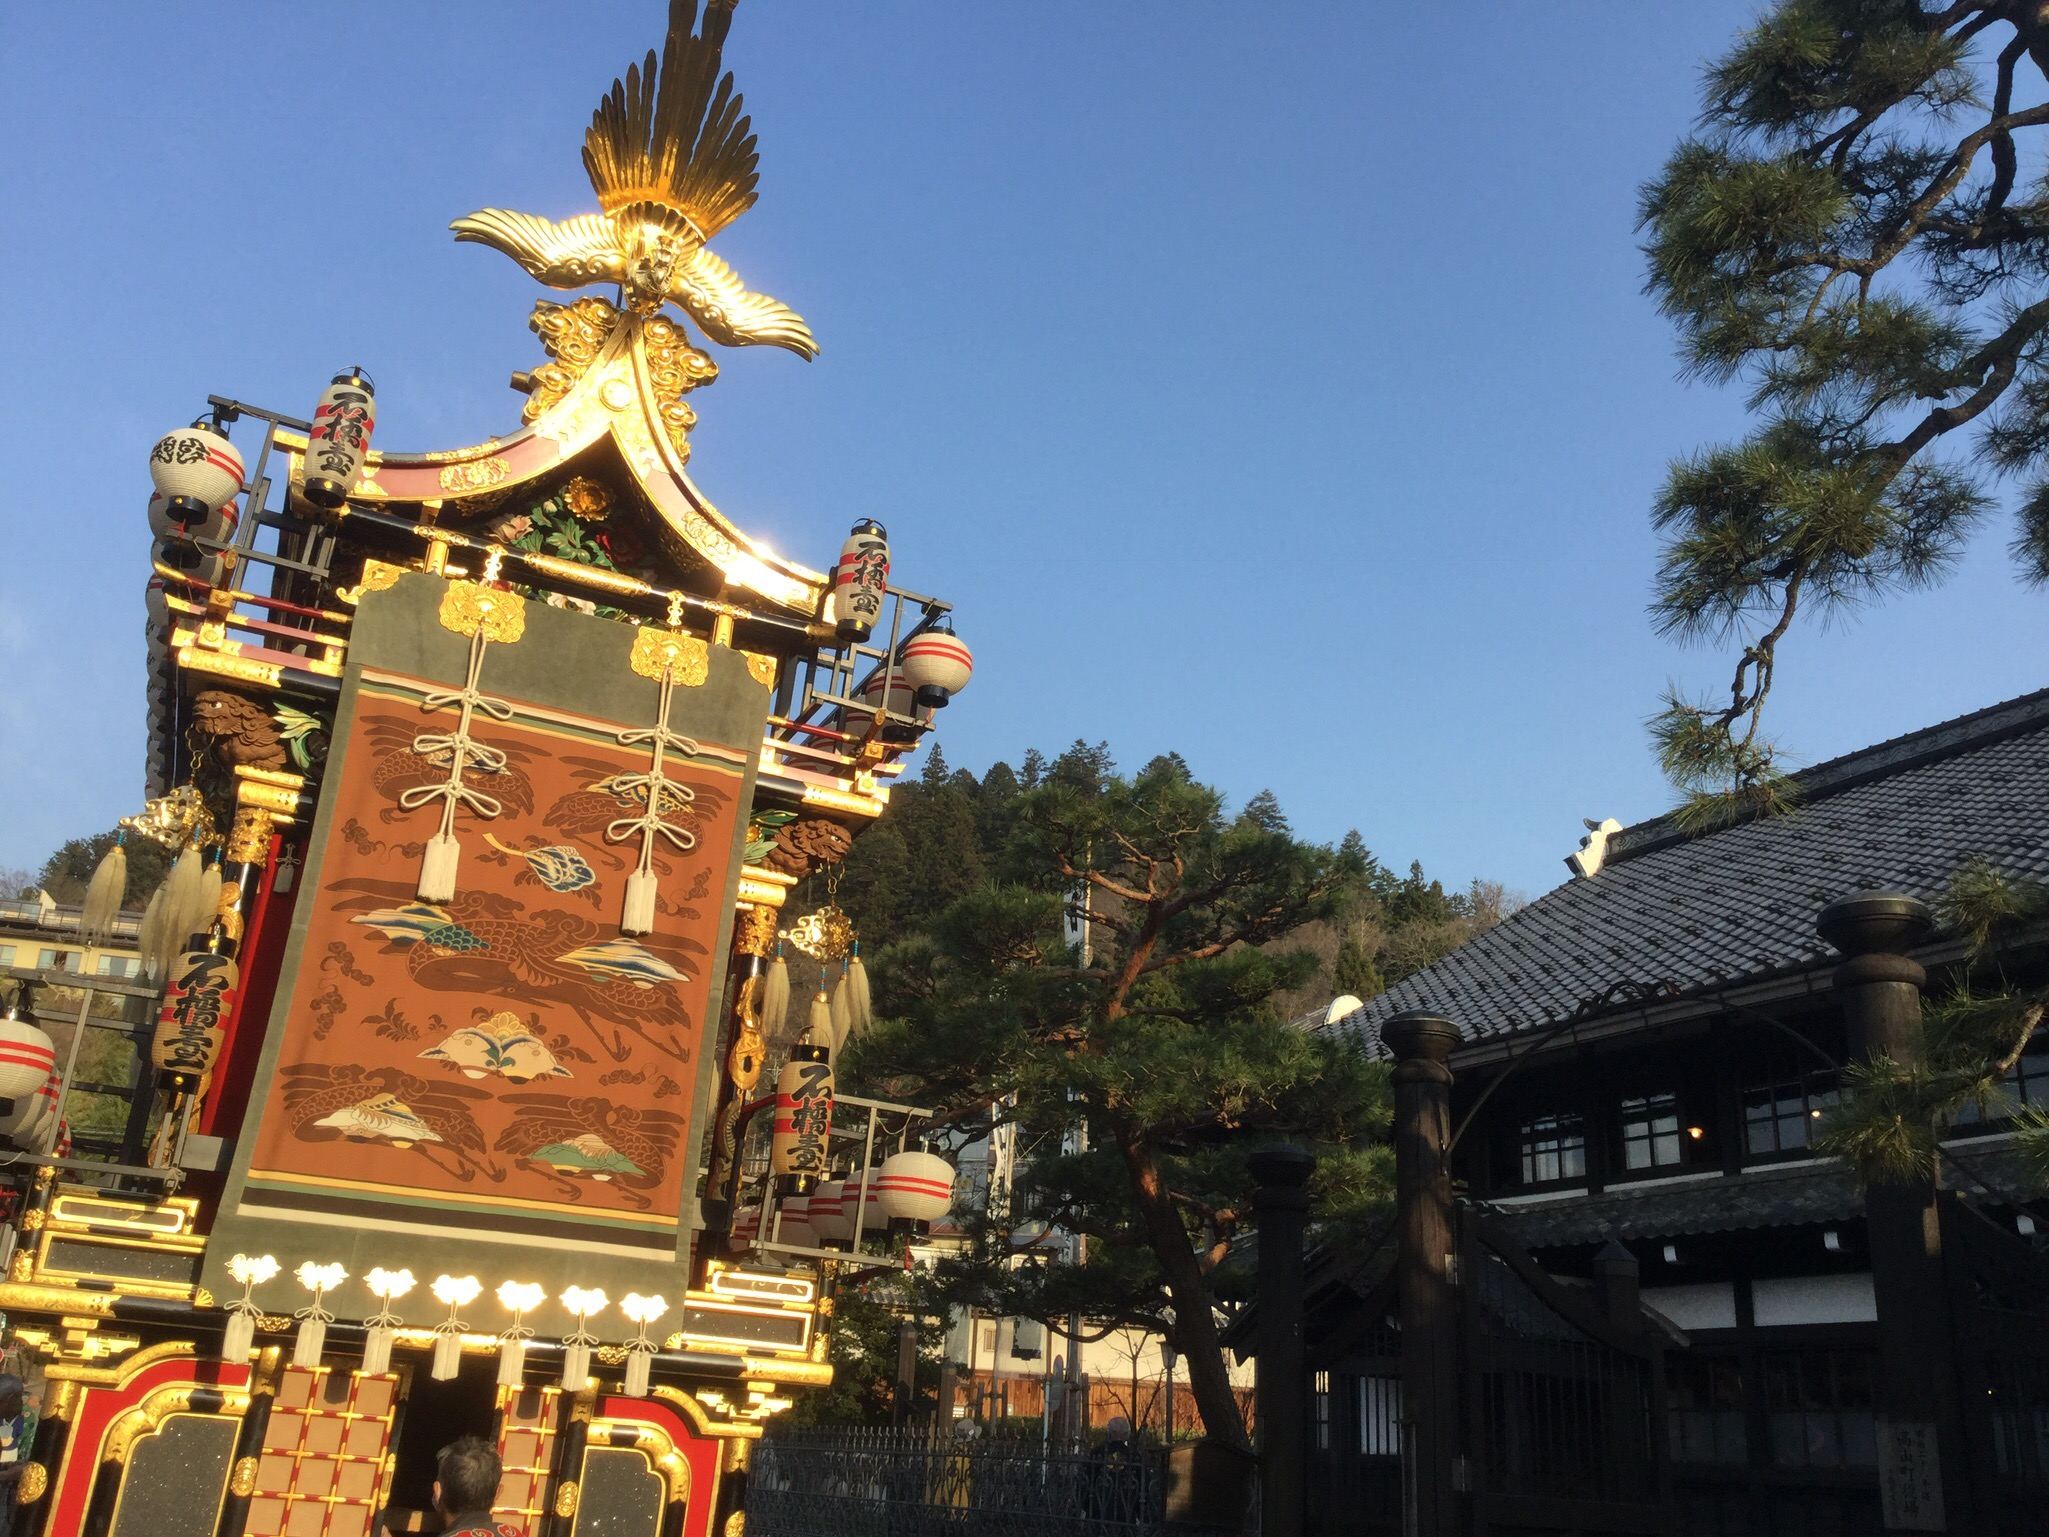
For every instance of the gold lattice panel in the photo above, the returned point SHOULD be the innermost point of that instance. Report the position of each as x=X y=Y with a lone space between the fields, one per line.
x=526 y=1446
x=322 y=1469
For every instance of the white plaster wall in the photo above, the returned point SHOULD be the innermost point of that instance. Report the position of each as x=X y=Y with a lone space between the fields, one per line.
x=1709 y=1305
x=1815 y=1299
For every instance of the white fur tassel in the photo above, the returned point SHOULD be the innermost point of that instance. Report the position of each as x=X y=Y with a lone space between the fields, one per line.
x=640 y=903
x=377 y=1350
x=860 y=1004
x=182 y=893
x=437 y=870
x=103 y=896
x=447 y=1355
x=842 y=1021
x=205 y=906
x=818 y=1028
x=637 y=1364
x=576 y=1367
x=153 y=942
x=312 y=1340
x=511 y=1362
x=239 y=1338
x=775 y=996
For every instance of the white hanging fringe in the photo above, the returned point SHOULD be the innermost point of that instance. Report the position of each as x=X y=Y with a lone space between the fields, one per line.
x=447 y=1354
x=103 y=896
x=775 y=996
x=860 y=1004
x=312 y=1339
x=511 y=1361
x=576 y=1367
x=377 y=1350
x=638 y=1361
x=640 y=903
x=239 y=1338
x=437 y=869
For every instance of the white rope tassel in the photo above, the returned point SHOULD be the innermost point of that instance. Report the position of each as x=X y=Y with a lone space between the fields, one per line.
x=860 y=1004
x=640 y=1350
x=314 y=1318
x=842 y=1020
x=457 y=1292
x=775 y=996
x=663 y=795
x=387 y=1286
x=239 y=1338
x=818 y=1027
x=577 y=1344
x=103 y=896
x=444 y=851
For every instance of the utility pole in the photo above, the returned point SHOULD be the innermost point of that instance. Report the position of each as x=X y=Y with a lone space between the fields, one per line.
x=1281 y=1388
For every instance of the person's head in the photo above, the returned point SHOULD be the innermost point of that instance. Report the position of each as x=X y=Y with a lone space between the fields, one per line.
x=10 y=1395
x=466 y=1476
x=1119 y=1428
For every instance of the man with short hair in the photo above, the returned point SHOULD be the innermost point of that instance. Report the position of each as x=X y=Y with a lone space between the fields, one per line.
x=466 y=1482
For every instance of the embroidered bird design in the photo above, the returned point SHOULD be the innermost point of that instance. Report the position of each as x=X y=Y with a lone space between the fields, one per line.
x=673 y=162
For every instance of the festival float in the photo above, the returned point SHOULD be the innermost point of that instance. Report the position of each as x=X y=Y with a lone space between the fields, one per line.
x=489 y=773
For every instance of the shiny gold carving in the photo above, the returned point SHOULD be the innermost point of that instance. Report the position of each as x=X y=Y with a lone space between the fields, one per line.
x=672 y=163
x=587 y=501
x=736 y=1524
x=674 y=368
x=671 y=656
x=565 y=1498
x=653 y=1443
x=824 y=935
x=474 y=475
x=754 y=932
x=221 y=665
x=761 y=888
x=33 y=1484
x=242 y=1482
x=32 y=1221
x=844 y=800
x=22 y=1266
x=572 y=335
x=470 y=609
x=378 y=576
x=763 y=668
x=743 y=1062
x=249 y=837
x=272 y=790
x=590 y=576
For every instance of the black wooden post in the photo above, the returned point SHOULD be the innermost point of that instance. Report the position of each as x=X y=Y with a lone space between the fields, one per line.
x=1923 y=1474
x=1281 y=1400
x=1429 y=1310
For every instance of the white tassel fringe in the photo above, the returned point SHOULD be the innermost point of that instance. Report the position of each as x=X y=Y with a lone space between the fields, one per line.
x=103 y=896
x=775 y=997
x=447 y=1356
x=637 y=1365
x=239 y=1338
x=312 y=1340
x=377 y=1351
x=640 y=903
x=437 y=869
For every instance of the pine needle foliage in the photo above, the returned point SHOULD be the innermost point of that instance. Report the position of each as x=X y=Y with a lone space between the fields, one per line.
x=1893 y=1115
x=1848 y=233
x=1140 y=1069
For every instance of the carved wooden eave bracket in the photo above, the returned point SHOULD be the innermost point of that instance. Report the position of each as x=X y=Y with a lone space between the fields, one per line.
x=630 y=392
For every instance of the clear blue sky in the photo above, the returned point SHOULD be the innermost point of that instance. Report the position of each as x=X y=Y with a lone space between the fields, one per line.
x=1267 y=382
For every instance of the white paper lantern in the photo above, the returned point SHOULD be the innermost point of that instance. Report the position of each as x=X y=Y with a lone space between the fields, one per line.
x=27 y=1058
x=916 y=1185
x=794 y=1227
x=824 y=1215
x=902 y=698
x=861 y=580
x=874 y=1215
x=219 y=524
x=197 y=472
x=340 y=439
x=937 y=665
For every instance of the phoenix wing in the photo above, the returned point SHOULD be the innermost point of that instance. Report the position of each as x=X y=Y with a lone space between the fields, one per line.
x=674 y=136
x=572 y=254
x=718 y=301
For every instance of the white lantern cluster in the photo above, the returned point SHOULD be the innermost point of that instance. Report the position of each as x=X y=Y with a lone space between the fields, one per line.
x=937 y=665
x=340 y=439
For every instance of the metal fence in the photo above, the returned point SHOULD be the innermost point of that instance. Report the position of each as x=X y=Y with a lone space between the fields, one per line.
x=887 y=1483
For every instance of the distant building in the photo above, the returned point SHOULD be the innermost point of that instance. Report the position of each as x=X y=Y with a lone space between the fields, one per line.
x=43 y=936
x=1675 y=1115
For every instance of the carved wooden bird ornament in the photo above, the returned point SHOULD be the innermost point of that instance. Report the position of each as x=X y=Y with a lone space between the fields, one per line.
x=673 y=162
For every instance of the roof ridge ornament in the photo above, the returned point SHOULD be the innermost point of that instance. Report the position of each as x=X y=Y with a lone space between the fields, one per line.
x=1593 y=848
x=672 y=160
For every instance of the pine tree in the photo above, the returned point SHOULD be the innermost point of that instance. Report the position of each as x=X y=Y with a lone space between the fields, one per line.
x=1354 y=971
x=1851 y=234
x=1164 y=1052
x=66 y=873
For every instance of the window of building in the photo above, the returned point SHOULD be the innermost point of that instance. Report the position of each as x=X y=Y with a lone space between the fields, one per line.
x=1323 y=1411
x=57 y=960
x=1380 y=1416
x=6 y=956
x=1704 y=1409
x=1553 y=1147
x=1819 y=1408
x=119 y=965
x=1651 y=1138
x=1779 y=1115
